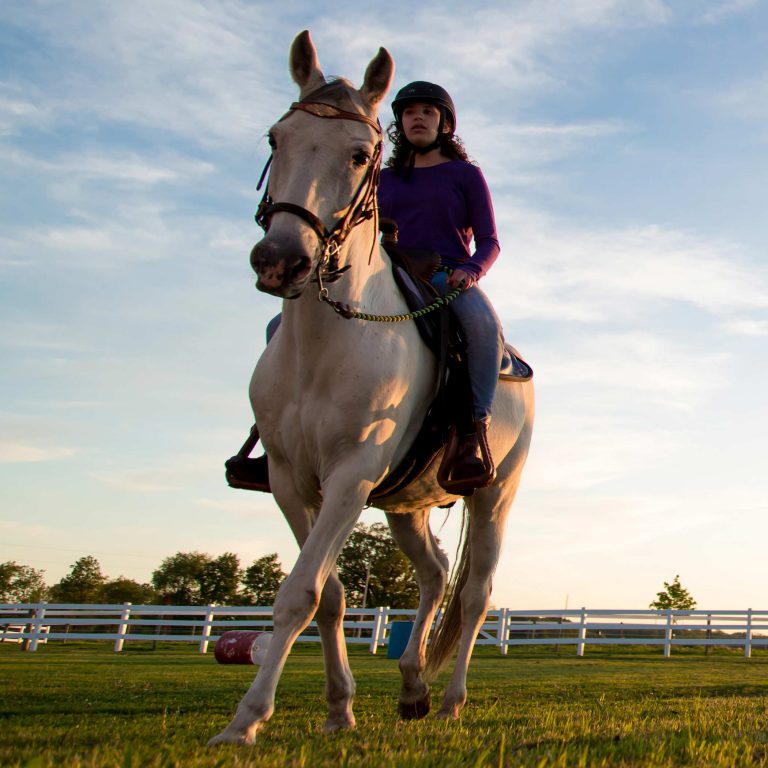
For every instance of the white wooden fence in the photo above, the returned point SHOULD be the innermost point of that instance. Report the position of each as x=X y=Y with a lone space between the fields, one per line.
x=30 y=624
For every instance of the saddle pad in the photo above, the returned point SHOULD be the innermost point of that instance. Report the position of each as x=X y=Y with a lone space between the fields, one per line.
x=513 y=367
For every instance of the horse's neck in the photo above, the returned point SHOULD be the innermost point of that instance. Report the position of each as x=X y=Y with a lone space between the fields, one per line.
x=331 y=361
x=366 y=286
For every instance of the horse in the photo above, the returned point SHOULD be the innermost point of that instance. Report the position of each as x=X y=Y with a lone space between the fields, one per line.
x=339 y=401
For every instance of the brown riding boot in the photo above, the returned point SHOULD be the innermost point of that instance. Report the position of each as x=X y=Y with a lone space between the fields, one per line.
x=473 y=457
x=245 y=472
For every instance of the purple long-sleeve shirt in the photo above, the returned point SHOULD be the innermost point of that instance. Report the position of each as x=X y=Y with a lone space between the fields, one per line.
x=443 y=208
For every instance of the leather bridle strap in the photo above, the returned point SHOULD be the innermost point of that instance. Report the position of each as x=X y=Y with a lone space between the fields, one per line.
x=318 y=109
x=363 y=203
x=309 y=217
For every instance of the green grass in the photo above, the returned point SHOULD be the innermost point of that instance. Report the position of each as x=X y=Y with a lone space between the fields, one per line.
x=83 y=705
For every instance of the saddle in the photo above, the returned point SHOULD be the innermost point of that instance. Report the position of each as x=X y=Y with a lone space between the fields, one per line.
x=444 y=422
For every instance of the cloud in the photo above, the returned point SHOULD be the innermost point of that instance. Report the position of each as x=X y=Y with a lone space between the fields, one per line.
x=15 y=452
x=17 y=113
x=746 y=327
x=187 y=67
x=646 y=368
x=138 y=481
x=576 y=274
x=506 y=47
x=117 y=166
x=530 y=147
x=726 y=10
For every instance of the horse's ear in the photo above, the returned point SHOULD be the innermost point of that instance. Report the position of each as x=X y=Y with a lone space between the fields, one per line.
x=305 y=69
x=378 y=77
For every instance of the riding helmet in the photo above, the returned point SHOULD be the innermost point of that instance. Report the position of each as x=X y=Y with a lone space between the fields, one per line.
x=425 y=93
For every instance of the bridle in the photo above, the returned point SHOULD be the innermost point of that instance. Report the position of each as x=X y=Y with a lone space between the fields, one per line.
x=361 y=208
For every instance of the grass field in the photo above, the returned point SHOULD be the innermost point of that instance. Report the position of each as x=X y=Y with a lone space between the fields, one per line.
x=83 y=705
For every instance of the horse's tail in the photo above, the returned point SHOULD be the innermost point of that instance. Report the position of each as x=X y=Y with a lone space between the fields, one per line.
x=448 y=631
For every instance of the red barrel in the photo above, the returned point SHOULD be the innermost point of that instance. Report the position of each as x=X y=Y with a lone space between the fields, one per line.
x=240 y=646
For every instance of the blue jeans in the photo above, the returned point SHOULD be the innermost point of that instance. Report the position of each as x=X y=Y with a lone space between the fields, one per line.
x=484 y=339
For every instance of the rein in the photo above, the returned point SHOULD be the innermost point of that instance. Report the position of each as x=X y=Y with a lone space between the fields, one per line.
x=351 y=314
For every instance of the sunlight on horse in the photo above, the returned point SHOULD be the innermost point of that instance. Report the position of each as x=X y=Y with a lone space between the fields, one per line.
x=338 y=403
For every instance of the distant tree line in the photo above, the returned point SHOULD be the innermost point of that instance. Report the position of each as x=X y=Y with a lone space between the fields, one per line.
x=372 y=568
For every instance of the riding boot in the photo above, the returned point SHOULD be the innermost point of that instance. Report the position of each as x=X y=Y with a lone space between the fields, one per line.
x=473 y=457
x=244 y=472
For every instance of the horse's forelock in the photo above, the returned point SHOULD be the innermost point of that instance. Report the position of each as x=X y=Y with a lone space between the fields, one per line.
x=339 y=92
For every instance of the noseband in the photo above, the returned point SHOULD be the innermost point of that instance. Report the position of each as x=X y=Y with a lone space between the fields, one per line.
x=361 y=208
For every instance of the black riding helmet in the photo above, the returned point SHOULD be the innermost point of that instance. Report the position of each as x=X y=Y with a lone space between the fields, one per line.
x=425 y=93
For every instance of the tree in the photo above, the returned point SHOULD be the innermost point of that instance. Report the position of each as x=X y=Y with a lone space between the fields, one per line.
x=262 y=579
x=84 y=583
x=221 y=579
x=178 y=578
x=122 y=590
x=21 y=583
x=673 y=596
x=194 y=578
x=374 y=571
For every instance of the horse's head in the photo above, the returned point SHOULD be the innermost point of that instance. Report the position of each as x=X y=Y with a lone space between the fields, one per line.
x=326 y=152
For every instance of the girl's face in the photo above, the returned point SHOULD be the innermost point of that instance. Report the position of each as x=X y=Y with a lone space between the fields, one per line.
x=420 y=123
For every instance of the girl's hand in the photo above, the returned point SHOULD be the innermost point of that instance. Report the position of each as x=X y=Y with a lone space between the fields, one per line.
x=461 y=279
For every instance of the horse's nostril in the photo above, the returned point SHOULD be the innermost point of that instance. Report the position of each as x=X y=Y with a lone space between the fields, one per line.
x=300 y=269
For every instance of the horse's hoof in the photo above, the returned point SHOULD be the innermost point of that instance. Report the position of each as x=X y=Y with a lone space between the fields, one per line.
x=448 y=714
x=334 y=726
x=415 y=710
x=229 y=736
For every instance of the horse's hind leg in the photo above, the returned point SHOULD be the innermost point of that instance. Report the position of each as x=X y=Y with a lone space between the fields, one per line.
x=413 y=536
x=488 y=509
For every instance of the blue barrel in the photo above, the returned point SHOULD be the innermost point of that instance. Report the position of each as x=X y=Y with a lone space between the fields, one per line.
x=398 y=638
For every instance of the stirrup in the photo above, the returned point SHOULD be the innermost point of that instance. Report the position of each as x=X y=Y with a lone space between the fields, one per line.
x=244 y=472
x=466 y=486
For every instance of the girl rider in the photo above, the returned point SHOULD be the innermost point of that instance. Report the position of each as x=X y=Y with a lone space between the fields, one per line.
x=441 y=202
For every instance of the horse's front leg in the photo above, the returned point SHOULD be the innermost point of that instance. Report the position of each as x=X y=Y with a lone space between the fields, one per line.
x=413 y=536
x=296 y=603
x=339 y=683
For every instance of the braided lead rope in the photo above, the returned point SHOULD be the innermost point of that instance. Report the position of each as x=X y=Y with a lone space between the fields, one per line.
x=348 y=313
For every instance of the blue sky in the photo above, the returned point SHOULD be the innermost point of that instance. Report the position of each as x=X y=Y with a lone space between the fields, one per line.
x=625 y=145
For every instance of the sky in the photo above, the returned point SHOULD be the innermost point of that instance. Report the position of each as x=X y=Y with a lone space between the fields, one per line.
x=624 y=142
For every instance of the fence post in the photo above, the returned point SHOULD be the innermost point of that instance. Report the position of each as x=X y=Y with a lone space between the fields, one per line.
x=376 y=629
x=122 y=627
x=36 y=625
x=582 y=633
x=668 y=635
x=207 y=629
x=748 y=636
x=502 y=631
x=709 y=633
x=381 y=636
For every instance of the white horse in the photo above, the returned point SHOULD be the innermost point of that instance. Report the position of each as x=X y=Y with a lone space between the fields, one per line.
x=339 y=401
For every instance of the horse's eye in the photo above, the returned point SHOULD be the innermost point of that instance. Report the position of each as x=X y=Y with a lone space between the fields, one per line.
x=271 y=140
x=361 y=158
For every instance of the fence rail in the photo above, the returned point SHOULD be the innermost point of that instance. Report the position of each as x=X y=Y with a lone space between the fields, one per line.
x=30 y=624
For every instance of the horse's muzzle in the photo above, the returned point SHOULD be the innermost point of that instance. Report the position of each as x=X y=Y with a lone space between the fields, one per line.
x=281 y=272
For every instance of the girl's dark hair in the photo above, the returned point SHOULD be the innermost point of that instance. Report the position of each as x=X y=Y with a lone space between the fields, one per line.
x=451 y=146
